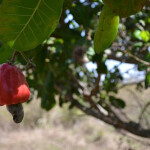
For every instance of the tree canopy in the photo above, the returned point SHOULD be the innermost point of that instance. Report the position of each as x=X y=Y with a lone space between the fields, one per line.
x=56 y=39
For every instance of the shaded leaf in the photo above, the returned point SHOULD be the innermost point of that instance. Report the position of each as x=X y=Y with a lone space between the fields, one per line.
x=116 y=102
x=48 y=100
x=5 y=53
x=147 y=80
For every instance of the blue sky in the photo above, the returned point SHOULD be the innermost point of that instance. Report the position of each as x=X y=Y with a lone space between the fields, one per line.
x=129 y=71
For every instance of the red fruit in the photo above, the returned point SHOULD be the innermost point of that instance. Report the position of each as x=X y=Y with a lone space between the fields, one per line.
x=13 y=85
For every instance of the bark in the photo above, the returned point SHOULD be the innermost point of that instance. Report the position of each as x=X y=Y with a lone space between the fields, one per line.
x=130 y=126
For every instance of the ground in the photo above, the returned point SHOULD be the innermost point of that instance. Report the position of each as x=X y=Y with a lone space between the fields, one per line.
x=63 y=129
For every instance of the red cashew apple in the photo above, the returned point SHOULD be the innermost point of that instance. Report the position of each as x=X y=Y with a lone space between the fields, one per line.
x=13 y=85
x=14 y=90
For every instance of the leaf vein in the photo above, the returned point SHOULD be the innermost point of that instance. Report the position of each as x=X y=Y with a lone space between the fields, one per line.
x=51 y=9
x=41 y=18
x=38 y=28
x=33 y=32
x=44 y=14
x=36 y=8
x=18 y=15
x=23 y=7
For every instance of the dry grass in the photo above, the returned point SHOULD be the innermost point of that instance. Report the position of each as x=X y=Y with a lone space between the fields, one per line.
x=63 y=129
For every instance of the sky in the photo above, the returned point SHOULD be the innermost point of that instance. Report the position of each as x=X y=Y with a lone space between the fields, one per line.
x=129 y=71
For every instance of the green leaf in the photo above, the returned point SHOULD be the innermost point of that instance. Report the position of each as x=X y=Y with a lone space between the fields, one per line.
x=28 y=23
x=5 y=53
x=107 y=30
x=138 y=44
x=48 y=100
x=147 y=80
x=142 y=35
x=145 y=35
x=116 y=102
x=136 y=34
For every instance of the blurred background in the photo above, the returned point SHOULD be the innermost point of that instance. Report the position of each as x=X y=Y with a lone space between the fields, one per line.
x=70 y=78
x=62 y=128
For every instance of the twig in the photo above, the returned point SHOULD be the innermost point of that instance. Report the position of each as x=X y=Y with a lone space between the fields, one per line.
x=29 y=62
x=95 y=89
x=94 y=92
x=86 y=92
x=135 y=57
x=12 y=60
x=142 y=113
x=76 y=81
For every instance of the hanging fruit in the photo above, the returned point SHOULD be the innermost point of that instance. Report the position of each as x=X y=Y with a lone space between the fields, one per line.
x=17 y=112
x=14 y=90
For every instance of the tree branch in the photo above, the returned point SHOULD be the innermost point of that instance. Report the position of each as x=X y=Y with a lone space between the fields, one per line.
x=13 y=57
x=135 y=57
x=121 y=59
x=142 y=113
x=86 y=92
x=95 y=89
x=131 y=127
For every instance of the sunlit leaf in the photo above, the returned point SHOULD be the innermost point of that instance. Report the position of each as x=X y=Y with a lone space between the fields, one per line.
x=145 y=35
x=142 y=35
x=28 y=23
x=107 y=30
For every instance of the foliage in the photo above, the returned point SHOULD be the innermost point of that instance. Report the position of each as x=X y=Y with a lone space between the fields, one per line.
x=61 y=73
x=107 y=29
x=25 y=24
